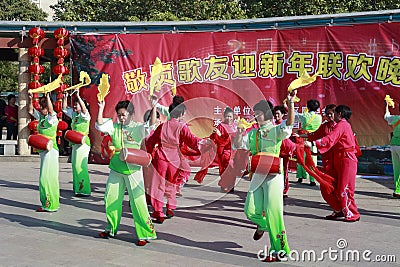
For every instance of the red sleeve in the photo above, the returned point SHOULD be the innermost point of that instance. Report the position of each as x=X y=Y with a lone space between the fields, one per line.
x=222 y=140
x=188 y=138
x=327 y=142
x=153 y=139
x=318 y=134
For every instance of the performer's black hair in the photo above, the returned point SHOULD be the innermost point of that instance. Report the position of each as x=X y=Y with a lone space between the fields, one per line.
x=265 y=107
x=176 y=110
x=126 y=104
x=345 y=111
x=313 y=105
x=281 y=108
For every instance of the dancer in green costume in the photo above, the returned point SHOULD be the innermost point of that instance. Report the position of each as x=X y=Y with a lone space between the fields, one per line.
x=394 y=120
x=80 y=152
x=264 y=201
x=310 y=122
x=129 y=134
x=49 y=187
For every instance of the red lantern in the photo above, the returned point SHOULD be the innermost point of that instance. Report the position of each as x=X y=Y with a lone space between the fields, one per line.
x=36 y=34
x=35 y=51
x=60 y=69
x=61 y=33
x=61 y=52
x=35 y=84
x=36 y=69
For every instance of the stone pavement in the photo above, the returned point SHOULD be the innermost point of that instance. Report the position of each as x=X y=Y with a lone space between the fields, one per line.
x=209 y=229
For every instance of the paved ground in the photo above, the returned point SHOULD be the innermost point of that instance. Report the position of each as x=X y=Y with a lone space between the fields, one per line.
x=209 y=229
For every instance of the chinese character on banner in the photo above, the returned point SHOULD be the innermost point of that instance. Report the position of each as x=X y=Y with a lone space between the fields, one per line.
x=217 y=110
x=330 y=64
x=216 y=68
x=165 y=77
x=246 y=111
x=271 y=64
x=217 y=122
x=388 y=71
x=358 y=67
x=135 y=80
x=237 y=110
x=189 y=71
x=244 y=66
x=300 y=62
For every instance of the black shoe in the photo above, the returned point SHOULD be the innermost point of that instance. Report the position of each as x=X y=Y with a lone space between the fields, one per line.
x=395 y=195
x=334 y=215
x=313 y=184
x=258 y=234
x=300 y=180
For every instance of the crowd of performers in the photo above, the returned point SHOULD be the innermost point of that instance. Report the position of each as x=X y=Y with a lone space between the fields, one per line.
x=270 y=142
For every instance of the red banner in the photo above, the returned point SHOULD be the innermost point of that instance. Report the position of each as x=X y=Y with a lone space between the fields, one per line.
x=357 y=65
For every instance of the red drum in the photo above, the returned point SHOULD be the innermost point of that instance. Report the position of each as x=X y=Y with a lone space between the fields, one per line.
x=75 y=137
x=135 y=156
x=40 y=142
x=264 y=164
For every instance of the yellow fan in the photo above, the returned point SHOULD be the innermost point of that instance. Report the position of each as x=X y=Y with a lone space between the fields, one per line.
x=389 y=101
x=104 y=87
x=84 y=79
x=156 y=71
x=303 y=80
x=48 y=87
x=243 y=124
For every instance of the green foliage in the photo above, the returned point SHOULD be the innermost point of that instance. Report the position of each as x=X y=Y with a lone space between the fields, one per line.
x=8 y=76
x=281 y=8
x=146 y=10
x=21 y=10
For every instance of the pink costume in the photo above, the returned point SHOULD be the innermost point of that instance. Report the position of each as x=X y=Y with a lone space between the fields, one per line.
x=167 y=161
x=342 y=143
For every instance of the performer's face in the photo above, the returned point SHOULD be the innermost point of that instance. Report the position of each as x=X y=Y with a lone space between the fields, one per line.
x=330 y=114
x=278 y=116
x=259 y=115
x=228 y=118
x=180 y=118
x=123 y=116
x=337 y=116
x=77 y=107
x=43 y=110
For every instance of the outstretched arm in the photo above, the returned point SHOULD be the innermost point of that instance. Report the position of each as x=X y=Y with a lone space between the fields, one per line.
x=290 y=100
x=49 y=103
x=100 y=120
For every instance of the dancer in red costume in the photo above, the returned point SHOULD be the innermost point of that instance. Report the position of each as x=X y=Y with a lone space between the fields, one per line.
x=222 y=136
x=327 y=157
x=287 y=148
x=165 y=145
x=342 y=142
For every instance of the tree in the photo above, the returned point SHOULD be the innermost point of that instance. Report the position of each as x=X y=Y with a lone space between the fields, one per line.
x=146 y=10
x=16 y=10
x=21 y=10
x=281 y=8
